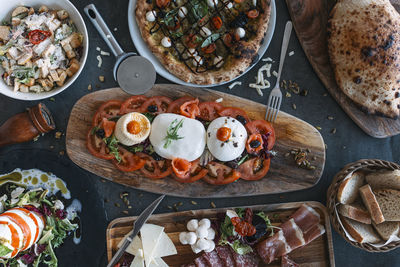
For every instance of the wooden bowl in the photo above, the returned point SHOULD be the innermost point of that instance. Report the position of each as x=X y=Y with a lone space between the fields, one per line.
x=365 y=165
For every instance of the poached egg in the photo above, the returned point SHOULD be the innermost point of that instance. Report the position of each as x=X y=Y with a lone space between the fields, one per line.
x=226 y=138
x=191 y=137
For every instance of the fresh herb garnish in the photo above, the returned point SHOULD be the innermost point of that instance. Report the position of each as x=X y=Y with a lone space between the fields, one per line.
x=172 y=132
x=176 y=35
x=24 y=73
x=136 y=148
x=210 y=39
x=4 y=250
x=267 y=222
x=240 y=248
x=198 y=10
x=150 y=116
x=240 y=212
x=112 y=144
x=169 y=18
x=227 y=232
x=243 y=159
x=94 y=130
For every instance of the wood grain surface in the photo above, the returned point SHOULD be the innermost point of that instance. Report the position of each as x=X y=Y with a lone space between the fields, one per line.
x=283 y=176
x=318 y=253
x=310 y=19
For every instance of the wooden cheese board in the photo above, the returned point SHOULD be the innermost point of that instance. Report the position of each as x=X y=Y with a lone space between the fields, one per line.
x=284 y=175
x=318 y=253
x=310 y=18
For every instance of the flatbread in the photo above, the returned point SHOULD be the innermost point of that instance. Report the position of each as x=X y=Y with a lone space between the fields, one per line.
x=364 y=49
x=244 y=52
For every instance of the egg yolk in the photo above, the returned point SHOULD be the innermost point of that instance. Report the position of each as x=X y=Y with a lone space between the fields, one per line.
x=223 y=134
x=133 y=127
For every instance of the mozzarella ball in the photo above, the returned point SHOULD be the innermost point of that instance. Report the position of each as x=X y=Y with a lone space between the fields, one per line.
x=240 y=32
x=192 y=52
x=205 y=32
x=211 y=246
x=229 y=5
x=166 y=42
x=151 y=15
x=202 y=231
x=210 y=234
x=191 y=238
x=195 y=249
x=192 y=225
x=183 y=238
x=182 y=12
x=197 y=61
x=212 y=3
x=202 y=244
x=205 y=222
x=218 y=61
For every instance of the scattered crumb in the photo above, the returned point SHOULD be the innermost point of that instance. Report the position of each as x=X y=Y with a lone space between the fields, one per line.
x=108 y=36
x=291 y=53
x=100 y=60
x=326 y=94
x=89 y=87
x=62 y=152
x=331 y=118
x=98 y=86
x=115 y=29
x=213 y=205
x=268 y=59
x=52 y=99
x=125 y=212
x=58 y=135
x=318 y=128
x=344 y=147
x=104 y=53
x=294 y=106
x=103 y=180
x=193 y=202
x=333 y=131
x=275 y=73
x=101 y=78
x=98 y=49
x=288 y=94
x=117 y=205
x=234 y=84
x=51 y=147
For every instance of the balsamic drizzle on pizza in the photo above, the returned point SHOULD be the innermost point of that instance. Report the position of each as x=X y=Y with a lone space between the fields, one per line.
x=204 y=34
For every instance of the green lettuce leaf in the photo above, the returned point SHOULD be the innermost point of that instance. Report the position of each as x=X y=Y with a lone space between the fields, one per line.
x=4 y=250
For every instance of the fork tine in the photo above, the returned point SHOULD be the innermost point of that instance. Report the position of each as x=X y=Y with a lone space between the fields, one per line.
x=278 y=106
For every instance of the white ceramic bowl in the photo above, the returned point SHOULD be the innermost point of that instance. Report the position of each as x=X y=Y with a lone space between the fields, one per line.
x=5 y=13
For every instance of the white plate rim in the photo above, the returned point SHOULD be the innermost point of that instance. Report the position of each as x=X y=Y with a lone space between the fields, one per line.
x=144 y=51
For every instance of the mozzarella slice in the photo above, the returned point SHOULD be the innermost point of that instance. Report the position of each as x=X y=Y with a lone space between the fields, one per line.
x=6 y=239
x=17 y=228
x=234 y=146
x=33 y=228
x=192 y=133
x=130 y=139
x=151 y=235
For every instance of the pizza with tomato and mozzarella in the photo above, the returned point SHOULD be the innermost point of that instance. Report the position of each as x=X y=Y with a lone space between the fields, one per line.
x=185 y=138
x=204 y=41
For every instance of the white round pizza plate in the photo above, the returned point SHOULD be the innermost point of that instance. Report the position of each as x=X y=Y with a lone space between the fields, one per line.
x=144 y=51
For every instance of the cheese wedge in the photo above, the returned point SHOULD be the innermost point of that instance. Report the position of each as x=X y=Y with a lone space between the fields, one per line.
x=158 y=262
x=151 y=235
x=135 y=245
x=137 y=262
x=165 y=247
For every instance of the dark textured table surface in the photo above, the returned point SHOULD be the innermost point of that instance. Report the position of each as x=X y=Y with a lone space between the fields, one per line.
x=99 y=198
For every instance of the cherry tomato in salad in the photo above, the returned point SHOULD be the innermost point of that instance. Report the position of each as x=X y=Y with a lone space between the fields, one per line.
x=234 y=113
x=243 y=228
x=129 y=161
x=254 y=143
x=156 y=105
x=217 y=22
x=38 y=36
x=190 y=109
x=107 y=110
x=220 y=174
x=252 y=14
x=181 y=167
x=162 y=3
x=209 y=48
x=108 y=127
x=132 y=104
x=175 y=106
x=264 y=128
x=155 y=169
x=196 y=173
x=97 y=147
x=254 y=169
x=209 y=110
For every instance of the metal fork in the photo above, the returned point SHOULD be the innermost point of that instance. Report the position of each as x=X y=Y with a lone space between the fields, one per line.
x=275 y=97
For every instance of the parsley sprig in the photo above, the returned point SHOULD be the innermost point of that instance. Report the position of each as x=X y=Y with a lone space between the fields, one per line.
x=172 y=132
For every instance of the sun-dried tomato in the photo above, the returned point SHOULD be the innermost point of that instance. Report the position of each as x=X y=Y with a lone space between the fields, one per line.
x=243 y=228
x=38 y=36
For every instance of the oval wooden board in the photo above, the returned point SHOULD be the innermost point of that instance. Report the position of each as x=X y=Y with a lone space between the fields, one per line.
x=283 y=176
x=318 y=253
x=310 y=19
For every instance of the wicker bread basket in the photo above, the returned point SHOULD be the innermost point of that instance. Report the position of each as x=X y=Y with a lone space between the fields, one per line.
x=366 y=165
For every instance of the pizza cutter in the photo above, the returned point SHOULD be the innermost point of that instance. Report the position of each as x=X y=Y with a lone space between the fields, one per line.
x=134 y=74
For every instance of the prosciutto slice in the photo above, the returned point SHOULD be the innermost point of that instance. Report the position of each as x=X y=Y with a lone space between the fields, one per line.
x=302 y=228
x=287 y=262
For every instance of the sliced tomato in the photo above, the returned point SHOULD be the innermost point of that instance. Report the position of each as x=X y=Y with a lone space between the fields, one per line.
x=107 y=110
x=160 y=103
x=162 y=3
x=108 y=126
x=14 y=238
x=132 y=104
x=196 y=173
x=97 y=147
x=190 y=109
x=219 y=174
x=254 y=138
x=216 y=22
x=254 y=169
x=209 y=110
x=192 y=40
x=33 y=218
x=175 y=106
x=252 y=14
x=129 y=162
x=262 y=127
x=181 y=167
x=228 y=39
x=209 y=48
x=24 y=227
x=234 y=113
x=154 y=169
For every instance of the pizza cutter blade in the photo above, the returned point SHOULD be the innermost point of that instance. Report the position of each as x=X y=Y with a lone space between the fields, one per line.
x=134 y=74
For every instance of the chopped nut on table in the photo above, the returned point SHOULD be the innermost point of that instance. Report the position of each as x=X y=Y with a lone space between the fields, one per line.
x=101 y=78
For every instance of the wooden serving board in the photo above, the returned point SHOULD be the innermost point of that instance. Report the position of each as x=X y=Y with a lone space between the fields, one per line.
x=318 y=253
x=310 y=18
x=283 y=176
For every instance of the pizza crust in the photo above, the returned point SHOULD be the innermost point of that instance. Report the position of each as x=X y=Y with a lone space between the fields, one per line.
x=235 y=67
